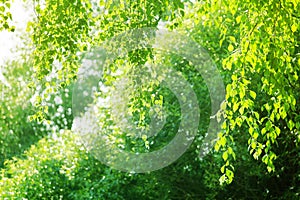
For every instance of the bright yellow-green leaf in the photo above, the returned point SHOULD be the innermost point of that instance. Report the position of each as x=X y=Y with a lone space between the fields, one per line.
x=223 y=141
x=235 y=107
x=242 y=92
x=239 y=121
x=230 y=48
x=251 y=130
x=225 y=156
x=241 y=110
x=283 y=114
x=291 y=124
x=253 y=94
x=277 y=130
x=230 y=175
x=234 y=77
x=256 y=115
x=294 y=28
x=222 y=179
x=238 y=19
x=253 y=145
x=255 y=135
x=265 y=159
x=217 y=146
x=232 y=39
x=144 y=137
x=223 y=169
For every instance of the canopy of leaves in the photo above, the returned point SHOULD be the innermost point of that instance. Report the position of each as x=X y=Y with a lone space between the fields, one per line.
x=255 y=45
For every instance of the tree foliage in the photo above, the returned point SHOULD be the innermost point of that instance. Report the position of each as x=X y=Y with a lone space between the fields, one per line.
x=5 y=16
x=255 y=45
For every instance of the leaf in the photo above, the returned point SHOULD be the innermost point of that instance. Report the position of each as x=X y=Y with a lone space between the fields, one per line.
x=223 y=141
x=294 y=28
x=268 y=108
x=144 y=137
x=238 y=19
x=256 y=155
x=222 y=179
x=251 y=130
x=239 y=121
x=268 y=125
x=232 y=39
x=221 y=41
x=235 y=107
x=256 y=115
x=291 y=124
x=253 y=145
x=265 y=159
x=270 y=169
x=228 y=89
x=241 y=110
x=234 y=77
x=230 y=48
x=242 y=92
x=225 y=156
x=233 y=155
x=283 y=114
x=223 y=105
x=223 y=169
x=277 y=130
x=217 y=146
x=230 y=175
x=230 y=151
x=253 y=94
x=255 y=135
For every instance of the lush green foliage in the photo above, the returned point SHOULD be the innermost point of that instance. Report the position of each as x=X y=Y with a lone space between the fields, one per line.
x=16 y=133
x=263 y=43
x=255 y=45
x=5 y=16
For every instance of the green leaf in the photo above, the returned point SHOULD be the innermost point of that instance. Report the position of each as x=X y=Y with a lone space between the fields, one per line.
x=253 y=94
x=256 y=115
x=268 y=125
x=242 y=92
x=251 y=130
x=270 y=169
x=253 y=145
x=223 y=169
x=291 y=124
x=225 y=156
x=283 y=114
x=222 y=179
x=277 y=130
x=217 y=146
x=223 y=141
x=223 y=105
x=144 y=137
x=232 y=39
x=230 y=48
x=230 y=175
x=235 y=107
x=267 y=106
x=234 y=77
x=241 y=110
x=255 y=135
x=265 y=159
x=238 y=19
x=294 y=28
